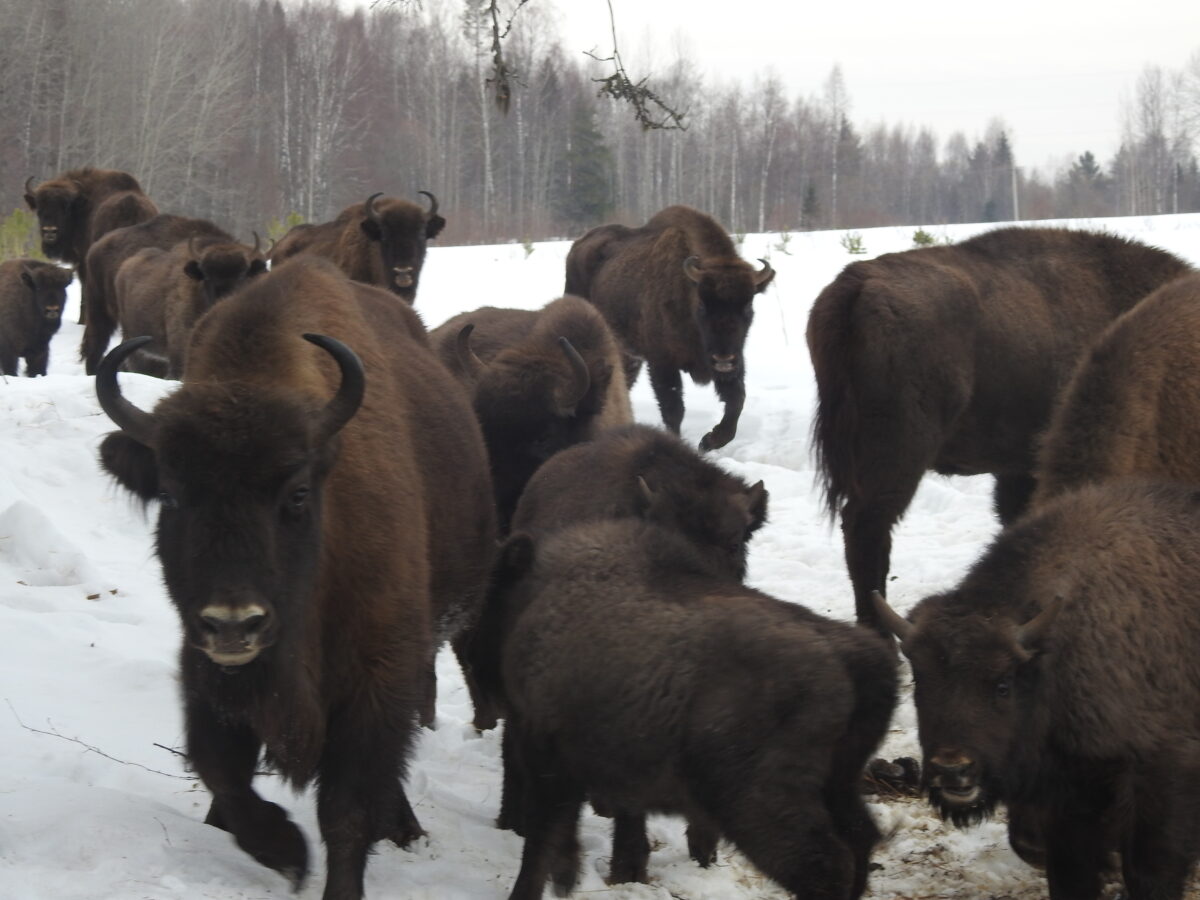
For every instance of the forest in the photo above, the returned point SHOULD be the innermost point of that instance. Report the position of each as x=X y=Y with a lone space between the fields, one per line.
x=257 y=114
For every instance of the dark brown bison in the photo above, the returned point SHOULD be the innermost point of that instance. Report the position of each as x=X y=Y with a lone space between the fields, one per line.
x=32 y=297
x=77 y=208
x=380 y=242
x=1061 y=676
x=1132 y=406
x=161 y=293
x=949 y=358
x=325 y=519
x=541 y=380
x=641 y=676
x=678 y=296
x=105 y=259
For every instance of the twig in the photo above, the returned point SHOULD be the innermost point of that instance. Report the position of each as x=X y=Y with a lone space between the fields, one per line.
x=96 y=750
x=500 y=80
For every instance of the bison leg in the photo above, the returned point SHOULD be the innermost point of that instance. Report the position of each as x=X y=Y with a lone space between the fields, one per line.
x=9 y=362
x=97 y=331
x=36 y=363
x=427 y=715
x=630 y=849
x=854 y=825
x=732 y=393
x=1076 y=853
x=1159 y=849
x=668 y=391
x=512 y=793
x=552 y=804
x=702 y=840
x=224 y=755
x=1011 y=495
x=867 y=531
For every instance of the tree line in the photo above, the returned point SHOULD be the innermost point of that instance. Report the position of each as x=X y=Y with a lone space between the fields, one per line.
x=249 y=112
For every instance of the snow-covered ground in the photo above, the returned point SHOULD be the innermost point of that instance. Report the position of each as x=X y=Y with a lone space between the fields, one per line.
x=95 y=801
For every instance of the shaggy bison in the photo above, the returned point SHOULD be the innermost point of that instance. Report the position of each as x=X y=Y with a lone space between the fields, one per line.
x=77 y=208
x=105 y=258
x=380 y=242
x=541 y=380
x=1132 y=406
x=949 y=358
x=161 y=293
x=678 y=296
x=32 y=297
x=1061 y=677
x=324 y=520
x=642 y=676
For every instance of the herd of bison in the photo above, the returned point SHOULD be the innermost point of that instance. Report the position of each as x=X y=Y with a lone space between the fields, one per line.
x=342 y=491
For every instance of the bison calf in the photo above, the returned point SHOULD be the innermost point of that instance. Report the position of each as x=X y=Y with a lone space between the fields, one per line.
x=643 y=677
x=1061 y=677
x=32 y=297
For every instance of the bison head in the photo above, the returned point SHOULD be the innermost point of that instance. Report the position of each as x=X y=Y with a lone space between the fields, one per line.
x=530 y=406
x=48 y=289
x=974 y=675
x=239 y=475
x=724 y=309
x=223 y=267
x=402 y=230
x=61 y=209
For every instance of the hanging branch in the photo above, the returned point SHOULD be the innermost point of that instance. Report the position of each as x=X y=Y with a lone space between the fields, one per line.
x=502 y=73
x=648 y=108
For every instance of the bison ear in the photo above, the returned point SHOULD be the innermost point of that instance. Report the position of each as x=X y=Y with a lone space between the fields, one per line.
x=27 y=280
x=371 y=229
x=756 y=506
x=434 y=226
x=132 y=464
x=193 y=271
x=257 y=267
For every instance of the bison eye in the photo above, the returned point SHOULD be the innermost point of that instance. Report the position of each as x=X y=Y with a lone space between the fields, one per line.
x=167 y=501
x=297 y=500
x=1002 y=687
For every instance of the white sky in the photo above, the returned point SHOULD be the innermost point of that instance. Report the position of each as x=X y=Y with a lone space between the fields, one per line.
x=1054 y=71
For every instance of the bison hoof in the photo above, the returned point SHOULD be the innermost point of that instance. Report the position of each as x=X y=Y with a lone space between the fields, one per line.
x=276 y=842
x=714 y=440
x=702 y=844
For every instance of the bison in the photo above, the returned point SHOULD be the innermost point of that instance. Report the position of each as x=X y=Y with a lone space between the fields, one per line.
x=541 y=379
x=161 y=293
x=642 y=676
x=324 y=521
x=1132 y=406
x=380 y=242
x=1061 y=677
x=77 y=208
x=678 y=296
x=32 y=297
x=950 y=358
x=105 y=258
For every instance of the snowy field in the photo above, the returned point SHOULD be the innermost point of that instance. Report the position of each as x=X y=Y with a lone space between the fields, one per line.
x=95 y=801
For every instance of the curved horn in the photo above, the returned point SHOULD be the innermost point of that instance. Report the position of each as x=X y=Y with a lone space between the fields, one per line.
x=581 y=378
x=1030 y=635
x=372 y=212
x=345 y=403
x=432 y=203
x=29 y=185
x=191 y=246
x=471 y=364
x=764 y=273
x=691 y=268
x=892 y=620
x=257 y=243
x=135 y=422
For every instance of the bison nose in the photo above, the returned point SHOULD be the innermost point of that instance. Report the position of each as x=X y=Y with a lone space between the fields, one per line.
x=951 y=768
x=233 y=635
x=53 y=312
x=724 y=362
x=403 y=276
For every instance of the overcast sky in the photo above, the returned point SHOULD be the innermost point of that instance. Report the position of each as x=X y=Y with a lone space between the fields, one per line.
x=1054 y=71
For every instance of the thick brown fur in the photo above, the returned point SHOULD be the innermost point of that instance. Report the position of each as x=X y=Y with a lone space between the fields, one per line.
x=675 y=321
x=381 y=546
x=78 y=207
x=161 y=293
x=389 y=254
x=32 y=296
x=104 y=261
x=518 y=395
x=641 y=677
x=1132 y=406
x=949 y=358
x=1061 y=677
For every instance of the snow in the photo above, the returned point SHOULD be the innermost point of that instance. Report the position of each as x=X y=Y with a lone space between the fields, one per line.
x=95 y=800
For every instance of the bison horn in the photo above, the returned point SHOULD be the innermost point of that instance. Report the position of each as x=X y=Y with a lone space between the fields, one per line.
x=471 y=364
x=372 y=212
x=137 y=423
x=29 y=185
x=191 y=246
x=432 y=203
x=1030 y=635
x=892 y=620
x=691 y=268
x=257 y=243
x=349 y=396
x=764 y=273
x=581 y=378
